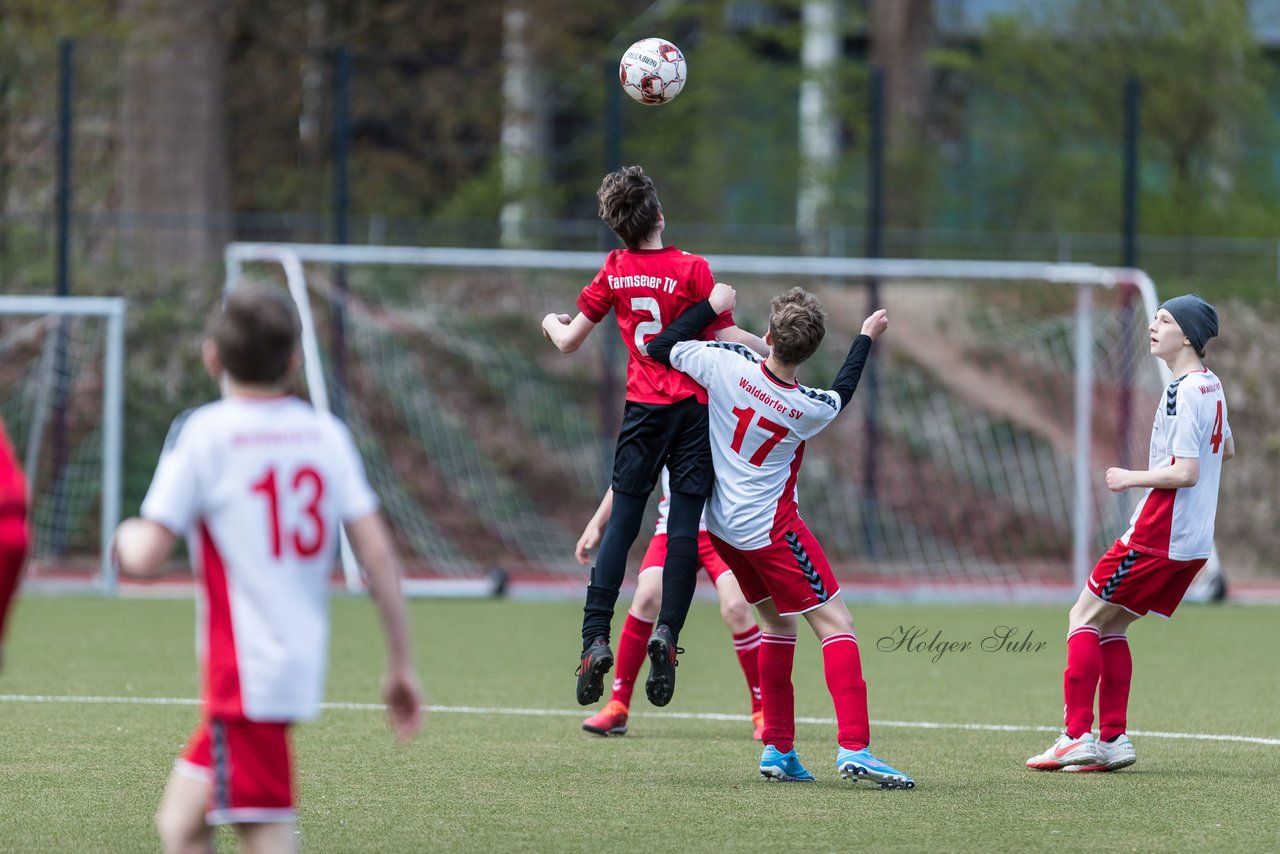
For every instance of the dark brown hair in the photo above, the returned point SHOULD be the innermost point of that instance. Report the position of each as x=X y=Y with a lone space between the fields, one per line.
x=256 y=333
x=798 y=325
x=629 y=205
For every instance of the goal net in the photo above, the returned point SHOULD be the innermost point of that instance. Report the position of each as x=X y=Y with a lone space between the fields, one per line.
x=61 y=397
x=971 y=457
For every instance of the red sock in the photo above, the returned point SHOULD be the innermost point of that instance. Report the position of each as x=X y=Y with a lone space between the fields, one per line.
x=777 y=652
x=843 y=667
x=1080 y=681
x=747 y=646
x=633 y=649
x=1113 y=692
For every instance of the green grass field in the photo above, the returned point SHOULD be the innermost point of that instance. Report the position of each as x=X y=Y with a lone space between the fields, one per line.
x=503 y=765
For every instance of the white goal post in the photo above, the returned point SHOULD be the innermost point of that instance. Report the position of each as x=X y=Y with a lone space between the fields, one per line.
x=1084 y=279
x=33 y=398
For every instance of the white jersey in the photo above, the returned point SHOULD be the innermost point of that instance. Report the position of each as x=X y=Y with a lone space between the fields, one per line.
x=1191 y=423
x=664 y=506
x=259 y=487
x=758 y=429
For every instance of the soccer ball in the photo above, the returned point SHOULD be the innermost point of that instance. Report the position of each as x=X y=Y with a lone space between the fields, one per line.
x=653 y=71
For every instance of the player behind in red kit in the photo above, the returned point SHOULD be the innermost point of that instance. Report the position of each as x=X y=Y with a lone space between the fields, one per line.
x=760 y=418
x=1152 y=564
x=664 y=422
x=13 y=528
x=259 y=482
x=734 y=610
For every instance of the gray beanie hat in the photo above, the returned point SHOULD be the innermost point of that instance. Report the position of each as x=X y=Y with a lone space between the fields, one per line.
x=1198 y=319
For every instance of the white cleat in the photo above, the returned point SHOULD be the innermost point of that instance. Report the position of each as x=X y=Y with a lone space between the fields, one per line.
x=1112 y=756
x=1067 y=752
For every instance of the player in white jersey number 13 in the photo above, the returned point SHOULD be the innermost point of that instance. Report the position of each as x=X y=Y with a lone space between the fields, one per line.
x=760 y=418
x=259 y=482
x=1151 y=565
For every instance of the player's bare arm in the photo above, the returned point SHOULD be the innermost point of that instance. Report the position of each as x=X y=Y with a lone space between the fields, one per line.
x=594 y=531
x=724 y=298
x=400 y=688
x=565 y=332
x=1183 y=473
x=1229 y=448
x=141 y=546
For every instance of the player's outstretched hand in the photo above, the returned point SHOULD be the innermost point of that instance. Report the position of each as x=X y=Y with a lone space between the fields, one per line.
x=1117 y=479
x=723 y=298
x=404 y=698
x=877 y=323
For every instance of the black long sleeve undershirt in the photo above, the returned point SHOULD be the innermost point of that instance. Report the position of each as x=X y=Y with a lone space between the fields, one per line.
x=697 y=317
x=687 y=326
x=851 y=371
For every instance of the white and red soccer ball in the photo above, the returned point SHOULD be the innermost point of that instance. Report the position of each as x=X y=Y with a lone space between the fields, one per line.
x=653 y=71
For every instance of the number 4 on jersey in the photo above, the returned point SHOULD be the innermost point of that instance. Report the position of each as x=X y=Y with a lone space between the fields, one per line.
x=1215 y=436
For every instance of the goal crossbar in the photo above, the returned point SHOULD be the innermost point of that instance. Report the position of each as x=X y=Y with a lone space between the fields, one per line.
x=1084 y=277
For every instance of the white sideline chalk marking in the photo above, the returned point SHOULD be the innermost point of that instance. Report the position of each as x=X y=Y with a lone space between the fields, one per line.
x=573 y=713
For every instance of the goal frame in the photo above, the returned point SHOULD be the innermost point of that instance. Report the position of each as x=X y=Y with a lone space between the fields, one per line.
x=1083 y=277
x=112 y=310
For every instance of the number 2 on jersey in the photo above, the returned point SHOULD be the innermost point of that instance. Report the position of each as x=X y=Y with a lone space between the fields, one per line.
x=778 y=432
x=649 y=327
x=1215 y=435
x=306 y=482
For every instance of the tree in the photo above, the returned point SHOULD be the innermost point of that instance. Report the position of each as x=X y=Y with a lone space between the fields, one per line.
x=173 y=139
x=1048 y=114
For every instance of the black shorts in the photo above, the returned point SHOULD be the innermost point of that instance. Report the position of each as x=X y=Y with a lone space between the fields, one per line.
x=656 y=434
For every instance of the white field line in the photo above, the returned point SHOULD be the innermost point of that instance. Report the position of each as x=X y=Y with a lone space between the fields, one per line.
x=572 y=713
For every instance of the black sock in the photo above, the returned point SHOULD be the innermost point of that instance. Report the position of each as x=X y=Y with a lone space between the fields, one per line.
x=680 y=570
x=597 y=614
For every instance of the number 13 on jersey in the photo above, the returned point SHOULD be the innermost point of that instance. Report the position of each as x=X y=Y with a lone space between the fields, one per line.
x=306 y=534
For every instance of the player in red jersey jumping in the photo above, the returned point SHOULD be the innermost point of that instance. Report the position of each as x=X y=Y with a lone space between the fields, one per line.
x=259 y=482
x=1152 y=564
x=14 y=537
x=612 y=719
x=664 y=423
x=760 y=419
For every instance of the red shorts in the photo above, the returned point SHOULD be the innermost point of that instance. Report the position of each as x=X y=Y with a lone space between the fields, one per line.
x=1142 y=583
x=793 y=571
x=656 y=555
x=248 y=767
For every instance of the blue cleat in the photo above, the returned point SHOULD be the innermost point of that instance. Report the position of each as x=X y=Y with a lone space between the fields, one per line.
x=783 y=767
x=858 y=765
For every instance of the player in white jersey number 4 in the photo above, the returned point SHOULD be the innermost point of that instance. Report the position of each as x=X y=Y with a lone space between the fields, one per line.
x=1151 y=565
x=259 y=482
x=760 y=418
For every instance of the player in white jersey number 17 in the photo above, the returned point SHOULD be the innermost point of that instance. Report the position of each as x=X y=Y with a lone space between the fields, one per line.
x=760 y=419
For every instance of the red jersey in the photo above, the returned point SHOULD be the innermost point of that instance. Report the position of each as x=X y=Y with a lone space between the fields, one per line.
x=648 y=288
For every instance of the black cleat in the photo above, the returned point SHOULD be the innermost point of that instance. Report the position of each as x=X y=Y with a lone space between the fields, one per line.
x=597 y=658
x=661 y=683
